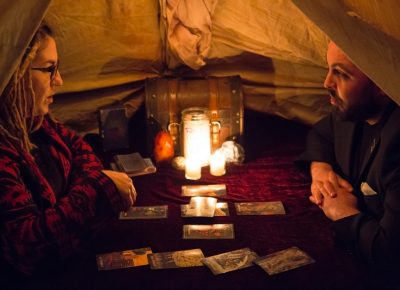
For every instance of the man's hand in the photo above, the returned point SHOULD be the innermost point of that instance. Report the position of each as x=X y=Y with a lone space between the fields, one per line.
x=326 y=183
x=344 y=204
x=124 y=186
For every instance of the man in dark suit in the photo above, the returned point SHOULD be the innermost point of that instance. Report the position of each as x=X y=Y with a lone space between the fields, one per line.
x=354 y=160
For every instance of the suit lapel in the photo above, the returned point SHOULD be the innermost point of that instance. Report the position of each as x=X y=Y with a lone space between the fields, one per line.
x=369 y=157
x=344 y=140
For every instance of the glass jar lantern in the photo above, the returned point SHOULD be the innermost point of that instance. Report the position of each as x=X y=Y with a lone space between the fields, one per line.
x=196 y=134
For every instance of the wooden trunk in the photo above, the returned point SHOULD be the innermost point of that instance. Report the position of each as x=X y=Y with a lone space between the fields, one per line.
x=167 y=97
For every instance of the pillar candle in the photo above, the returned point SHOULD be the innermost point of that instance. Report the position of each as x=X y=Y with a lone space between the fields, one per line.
x=192 y=168
x=217 y=164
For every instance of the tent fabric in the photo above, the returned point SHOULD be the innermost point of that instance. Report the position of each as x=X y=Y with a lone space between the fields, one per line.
x=188 y=29
x=108 y=48
x=18 y=22
x=105 y=43
x=367 y=31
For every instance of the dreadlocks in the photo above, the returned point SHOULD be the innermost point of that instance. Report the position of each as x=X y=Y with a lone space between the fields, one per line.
x=17 y=102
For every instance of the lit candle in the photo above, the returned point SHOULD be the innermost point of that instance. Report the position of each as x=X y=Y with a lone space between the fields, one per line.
x=196 y=134
x=192 y=168
x=217 y=163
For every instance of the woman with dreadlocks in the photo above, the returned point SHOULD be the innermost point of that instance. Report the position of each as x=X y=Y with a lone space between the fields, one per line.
x=51 y=183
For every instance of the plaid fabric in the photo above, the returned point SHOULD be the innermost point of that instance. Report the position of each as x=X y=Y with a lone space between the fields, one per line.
x=34 y=224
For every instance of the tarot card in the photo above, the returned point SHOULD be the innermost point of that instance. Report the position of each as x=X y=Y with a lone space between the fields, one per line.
x=284 y=260
x=259 y=208
x=145 y=212
x=177 y=259
x=204 y=190
x=230 y=261
x=204 y=232
x=123 y=259
x=200 y=206
x=221 y=209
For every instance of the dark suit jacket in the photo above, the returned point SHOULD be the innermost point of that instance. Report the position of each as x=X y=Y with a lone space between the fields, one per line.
x=374 y=234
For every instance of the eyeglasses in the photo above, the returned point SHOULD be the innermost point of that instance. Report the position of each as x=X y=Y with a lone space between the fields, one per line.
x=53 y=69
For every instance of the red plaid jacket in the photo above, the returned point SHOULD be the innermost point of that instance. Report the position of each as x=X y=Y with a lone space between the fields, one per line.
x=34 y=225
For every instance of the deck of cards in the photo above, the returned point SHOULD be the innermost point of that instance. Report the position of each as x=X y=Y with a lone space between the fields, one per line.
x=284 y=260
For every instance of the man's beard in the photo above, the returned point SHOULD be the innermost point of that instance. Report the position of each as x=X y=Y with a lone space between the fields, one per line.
x=358 y=110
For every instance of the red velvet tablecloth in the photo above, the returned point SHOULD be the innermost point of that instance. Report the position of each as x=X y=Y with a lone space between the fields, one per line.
x=268 y=174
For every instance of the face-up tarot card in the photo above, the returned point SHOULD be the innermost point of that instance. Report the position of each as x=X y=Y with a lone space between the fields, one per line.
x=230 y=261
x=123 y=259
x=200 y=206
x=215 y=231
x=221 y=209
x=204 y=190
x=259 y=208
x=145 y=212
x=177 y=259
x=284 y=260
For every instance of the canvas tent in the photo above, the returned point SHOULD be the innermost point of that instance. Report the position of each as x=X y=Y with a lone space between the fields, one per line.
x=108 y=48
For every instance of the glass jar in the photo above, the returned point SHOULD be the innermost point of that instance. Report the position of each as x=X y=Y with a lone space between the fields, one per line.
x=196 y=134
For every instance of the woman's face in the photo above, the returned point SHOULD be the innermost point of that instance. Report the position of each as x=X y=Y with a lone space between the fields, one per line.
x=46 y=60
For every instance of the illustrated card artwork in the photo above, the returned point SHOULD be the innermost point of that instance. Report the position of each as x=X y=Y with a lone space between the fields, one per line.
x=123 y=259
x=204 y=190
x=201 y=206
x=215 y=231
x=176 y=259
x=284 y=260
x=145 y=212
x=230 y=261
x=221 y=209
x=259 y=208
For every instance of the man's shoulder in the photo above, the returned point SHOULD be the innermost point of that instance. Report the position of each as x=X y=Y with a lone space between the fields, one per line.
x=396 y=113
x=334 y=122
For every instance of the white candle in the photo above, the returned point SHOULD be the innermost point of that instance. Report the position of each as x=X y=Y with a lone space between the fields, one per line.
x=217 y=163
x=192 y=168
x=196 y=134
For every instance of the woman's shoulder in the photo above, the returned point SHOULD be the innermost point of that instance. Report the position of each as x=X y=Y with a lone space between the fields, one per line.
x=7 y=144
x=10 y=153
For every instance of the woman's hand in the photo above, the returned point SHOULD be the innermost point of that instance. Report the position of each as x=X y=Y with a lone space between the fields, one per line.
x=124 y=186
x=326 y=182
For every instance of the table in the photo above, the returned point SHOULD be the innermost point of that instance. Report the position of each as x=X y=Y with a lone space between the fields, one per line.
x=268 y=174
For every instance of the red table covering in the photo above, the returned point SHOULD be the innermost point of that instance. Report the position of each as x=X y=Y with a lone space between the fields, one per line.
x=268 y=174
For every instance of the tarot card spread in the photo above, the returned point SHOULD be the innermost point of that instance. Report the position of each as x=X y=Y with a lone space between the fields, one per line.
x=123 y=259
x=204 y=190
x=284 y=260
x=259 y=208
x=230 y=261
x=177 y=259
x=203 y=232
x=145 y=212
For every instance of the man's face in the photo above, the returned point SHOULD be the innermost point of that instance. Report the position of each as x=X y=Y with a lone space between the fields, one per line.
x=42 y=83
x=356 y=97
